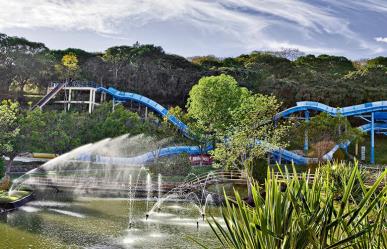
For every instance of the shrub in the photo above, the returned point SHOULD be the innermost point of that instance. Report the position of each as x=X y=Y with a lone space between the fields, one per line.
x=174 y=166
x=306 y=214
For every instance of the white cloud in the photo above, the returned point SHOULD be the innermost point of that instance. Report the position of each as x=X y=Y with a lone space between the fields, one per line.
x=246 y=21
x=381 y=39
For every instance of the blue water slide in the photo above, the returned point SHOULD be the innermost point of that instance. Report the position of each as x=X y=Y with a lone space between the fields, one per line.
x=156 y=107
x=144 y=158
x=276 y=152
x=345 y=111
x=170 y=151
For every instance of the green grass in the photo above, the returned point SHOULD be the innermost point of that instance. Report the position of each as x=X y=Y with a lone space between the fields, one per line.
x=5 y=198
x=202 y=170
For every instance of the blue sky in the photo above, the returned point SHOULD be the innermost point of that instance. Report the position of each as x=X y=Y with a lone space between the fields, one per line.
x=352 y=28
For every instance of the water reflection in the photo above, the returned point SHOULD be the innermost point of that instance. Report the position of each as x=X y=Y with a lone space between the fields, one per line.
x=102 y=223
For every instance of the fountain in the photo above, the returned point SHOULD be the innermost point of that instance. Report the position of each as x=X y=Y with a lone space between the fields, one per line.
x=130 y=202
x=192 y=197
x=148 y=192
x=159 y=186
x=84 y=173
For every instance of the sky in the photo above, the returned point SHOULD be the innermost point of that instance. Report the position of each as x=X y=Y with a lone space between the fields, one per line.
x=353 y=28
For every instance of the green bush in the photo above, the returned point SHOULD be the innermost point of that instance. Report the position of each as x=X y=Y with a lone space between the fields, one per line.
x=174 y=166
x=5 y=198
x=297 y=212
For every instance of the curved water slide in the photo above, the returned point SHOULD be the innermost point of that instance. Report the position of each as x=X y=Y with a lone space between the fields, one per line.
x=156 y=107
x=144 y=158
x=345 y=111
x=275 y=152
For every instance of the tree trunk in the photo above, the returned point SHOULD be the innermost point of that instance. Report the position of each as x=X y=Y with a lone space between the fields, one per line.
x=22 y=84
x=249 y=182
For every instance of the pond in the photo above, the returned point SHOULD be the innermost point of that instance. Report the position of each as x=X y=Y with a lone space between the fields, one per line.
x=103 y=223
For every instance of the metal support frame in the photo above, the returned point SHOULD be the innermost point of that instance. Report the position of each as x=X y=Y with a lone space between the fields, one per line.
x=372 y=161
x=364 y=117
x=306 y=142
x=90 y=101
x=69 y=100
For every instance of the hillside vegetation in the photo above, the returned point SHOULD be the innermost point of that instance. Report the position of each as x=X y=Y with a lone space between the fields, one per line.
x=28 y=67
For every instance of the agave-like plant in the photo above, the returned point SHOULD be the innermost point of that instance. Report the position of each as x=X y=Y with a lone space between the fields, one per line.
x=304 y=211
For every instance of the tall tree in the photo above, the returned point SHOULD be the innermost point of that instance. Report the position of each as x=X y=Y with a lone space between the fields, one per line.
x=9 y=127
x=23 y=61
x=253 y=135
x=69 y=67
x=212 y=101
x=95 y=68
x=117 y=58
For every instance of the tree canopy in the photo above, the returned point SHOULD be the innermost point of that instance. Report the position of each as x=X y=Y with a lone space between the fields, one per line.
x=212 y=101
x=288 y=74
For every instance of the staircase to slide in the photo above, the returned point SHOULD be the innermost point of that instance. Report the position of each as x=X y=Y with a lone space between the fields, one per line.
x=51 y=94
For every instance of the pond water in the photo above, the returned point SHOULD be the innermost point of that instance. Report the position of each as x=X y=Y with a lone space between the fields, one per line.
x=103 y=223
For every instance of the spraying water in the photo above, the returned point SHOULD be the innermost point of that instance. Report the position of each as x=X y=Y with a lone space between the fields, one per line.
x=106 y=164
x=148 y=190
x=159 y=186
x=130 y=200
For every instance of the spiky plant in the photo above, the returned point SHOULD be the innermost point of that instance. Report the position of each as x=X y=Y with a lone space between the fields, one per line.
x=307 y=214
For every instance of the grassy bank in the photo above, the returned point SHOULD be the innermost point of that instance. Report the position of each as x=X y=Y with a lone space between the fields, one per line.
x=5 y=198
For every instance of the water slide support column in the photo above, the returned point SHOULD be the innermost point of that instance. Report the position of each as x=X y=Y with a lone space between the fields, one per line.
x=94 y=95
x=90 y=100
x=69 y=100
x=306 y=142
x=372 y=138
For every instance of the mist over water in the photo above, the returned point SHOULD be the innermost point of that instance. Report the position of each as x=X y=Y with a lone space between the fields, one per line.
x=106 y=164
x=77 y=201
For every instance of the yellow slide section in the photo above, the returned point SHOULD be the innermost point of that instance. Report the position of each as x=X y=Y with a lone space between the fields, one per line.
x=44 y=155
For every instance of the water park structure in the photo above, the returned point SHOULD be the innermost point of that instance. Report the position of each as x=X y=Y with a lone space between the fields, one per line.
x=374 y=114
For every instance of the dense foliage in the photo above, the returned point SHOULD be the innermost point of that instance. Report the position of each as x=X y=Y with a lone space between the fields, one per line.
x=212 y=101
x=176 y=166
x=59 y=132
x=238 y=122
x=324 y=131
x=9 y=128
x=302 y=212
x=27 y=66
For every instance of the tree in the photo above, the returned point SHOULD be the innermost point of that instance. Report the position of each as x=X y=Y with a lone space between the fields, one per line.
x=30 y=69
x=69 y=66
x=332 y=65
x=95 y=69
x=325 y=131
x=22 y=62
x=253 y=136
x=117 y=58
x=206 y=61
x=10 y=130
x=379 y=61
x=103 y=123
x=212 y=101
